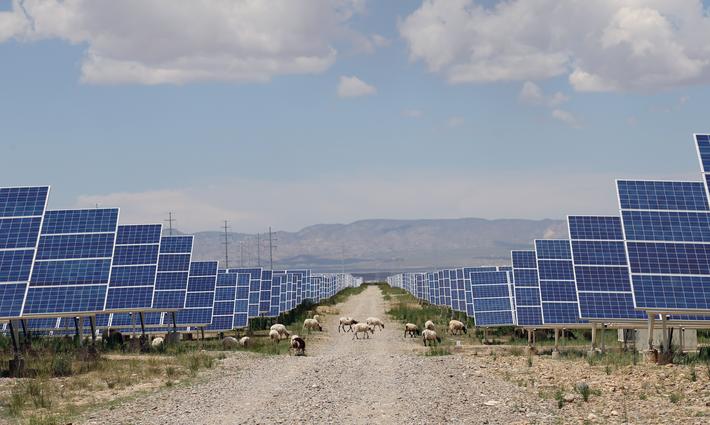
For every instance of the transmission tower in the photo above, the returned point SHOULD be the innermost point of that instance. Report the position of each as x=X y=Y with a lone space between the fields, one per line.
x=226 y=244
x=170 y=222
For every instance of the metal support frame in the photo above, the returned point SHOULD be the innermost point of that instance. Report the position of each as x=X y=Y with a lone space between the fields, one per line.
x=140 y=315
x=92 y=323
x=666 y=339
x=174 y=315
x=79 y=326
x=651 y=320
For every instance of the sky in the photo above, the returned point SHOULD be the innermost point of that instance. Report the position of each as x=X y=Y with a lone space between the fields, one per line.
x=288 y=113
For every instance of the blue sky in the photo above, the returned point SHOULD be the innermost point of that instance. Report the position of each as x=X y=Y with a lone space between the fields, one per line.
x=417 y=139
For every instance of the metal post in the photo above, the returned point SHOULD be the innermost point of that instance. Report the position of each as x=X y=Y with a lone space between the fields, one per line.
x=664 y=327
x=557 y=340
x=174 y=321
x=226 y=245
x=651 y=319
x=602 y=337
x=25 y=330
x=15 y=338
x=681 y=339
x=92 y=323
x=594 y=336
x=140 y=316
x=79 y=328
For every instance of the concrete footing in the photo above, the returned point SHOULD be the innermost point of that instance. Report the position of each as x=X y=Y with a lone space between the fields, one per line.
x=555 y=354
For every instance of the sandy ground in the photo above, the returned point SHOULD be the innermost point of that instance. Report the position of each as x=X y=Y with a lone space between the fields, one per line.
x=383 y=379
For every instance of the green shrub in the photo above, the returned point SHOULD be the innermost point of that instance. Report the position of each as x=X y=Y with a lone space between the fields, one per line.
x=584 y=390
x=62 y=365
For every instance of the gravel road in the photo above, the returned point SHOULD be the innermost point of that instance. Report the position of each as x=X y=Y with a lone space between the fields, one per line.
x=379 y=380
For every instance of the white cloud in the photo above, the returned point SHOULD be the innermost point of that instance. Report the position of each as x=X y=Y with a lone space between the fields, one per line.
x=455 y=121
x=603 y=45
x=565 y=117
x=531 y=94
x=177 y=42
x=413 y=113
x=381 y=41
x=354 y=87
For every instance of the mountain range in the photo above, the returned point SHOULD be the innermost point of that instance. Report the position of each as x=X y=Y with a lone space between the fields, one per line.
x=379 y=245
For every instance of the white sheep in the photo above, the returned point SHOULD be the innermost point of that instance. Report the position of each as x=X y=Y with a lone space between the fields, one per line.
x=431 y=336
x=364 y=328
x=429 y=325
x=411 y=329
x=375 y=322
x=455 y=327
x=157 y=342
x=244 y=341
x=312 y=324
x=347 y=321
x=316 y=318
x=229 y=343
x=281 y=329
x=274 y=335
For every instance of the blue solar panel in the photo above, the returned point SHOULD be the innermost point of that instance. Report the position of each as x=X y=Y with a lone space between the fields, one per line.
x=135 y=263
x=492 y=298
x=277 y=280
x=661 y=195
x=21 y=212
x=556 y=282
x=226 y=293
x=200 y=296
x=73 y=264
x=173 y=274
x=668 y=252
x=458 y=288
x=254 y=289
x=265 y=293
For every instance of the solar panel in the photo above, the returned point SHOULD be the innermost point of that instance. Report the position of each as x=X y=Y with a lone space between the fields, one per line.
x=492 y=298
x=556 y=280
x=21 y=213
x=254 y=289
x=265 y=293
x=601 y=269
x=277 y=279
x=200 y=295
x=73 y=262
x=135 y=263
x=528 y=307
x=667 y=243
x=172 y=276
x=458 y=290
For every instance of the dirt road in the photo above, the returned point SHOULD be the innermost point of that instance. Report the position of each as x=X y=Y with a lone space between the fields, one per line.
x=341 y=381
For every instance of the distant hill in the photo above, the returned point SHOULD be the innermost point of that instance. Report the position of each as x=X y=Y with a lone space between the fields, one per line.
x=384 y=245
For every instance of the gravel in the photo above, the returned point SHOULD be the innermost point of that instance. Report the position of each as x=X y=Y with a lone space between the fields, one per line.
x=383 y=379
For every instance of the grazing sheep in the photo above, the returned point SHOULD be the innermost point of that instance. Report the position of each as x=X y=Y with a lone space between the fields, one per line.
x=275 y=335
x=312 y=324
x=347 y=321
x=229 y=342
x=157 y=342
x=245 y=341
x=375 y=322
x=411 y=329
x=455 y=327
x=316 y=318
x=364 y=328
x=281 y=329
x=429 y=325
x=298 y=345
x=431 y=336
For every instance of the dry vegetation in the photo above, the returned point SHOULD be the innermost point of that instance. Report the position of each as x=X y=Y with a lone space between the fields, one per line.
x=616 y=387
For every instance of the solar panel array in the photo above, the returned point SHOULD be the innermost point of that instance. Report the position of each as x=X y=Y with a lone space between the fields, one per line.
x=528 y=306
x=556 y=280
x=21 y=212
x=200 y=295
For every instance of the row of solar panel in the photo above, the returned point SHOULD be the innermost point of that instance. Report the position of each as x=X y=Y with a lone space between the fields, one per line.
x=654 y=258
x=68 y=263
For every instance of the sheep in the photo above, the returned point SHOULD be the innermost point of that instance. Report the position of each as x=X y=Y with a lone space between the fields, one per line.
x=364 y=328
x=375 y=322
x=429 y=325
x=281 y=329
x=347 y=321
x=316 y=318
x=455 y=327
x=244 y=341
x=229 y=342
x=298 y=345
x=157 y=342
x=411 y=329
x=312 y=324
x=431 y=336
x=274 y=335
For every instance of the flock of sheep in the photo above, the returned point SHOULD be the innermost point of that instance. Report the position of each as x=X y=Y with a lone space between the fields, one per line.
x=297 y=345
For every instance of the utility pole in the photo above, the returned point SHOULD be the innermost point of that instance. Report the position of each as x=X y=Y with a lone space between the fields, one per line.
x=241 y=254
x=170 y=222
x=226 y=245
x=271 y=249
x=258 y=249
